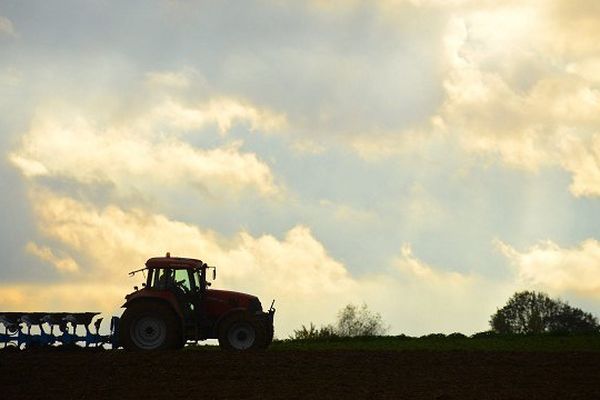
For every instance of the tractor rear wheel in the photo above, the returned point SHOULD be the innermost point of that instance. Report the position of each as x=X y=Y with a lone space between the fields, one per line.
x=149 y=325
x=241 y=332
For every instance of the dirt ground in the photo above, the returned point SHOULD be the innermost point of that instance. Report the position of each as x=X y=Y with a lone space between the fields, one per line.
x=299 y=375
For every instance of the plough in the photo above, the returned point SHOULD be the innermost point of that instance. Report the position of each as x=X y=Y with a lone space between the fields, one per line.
x=42 y=329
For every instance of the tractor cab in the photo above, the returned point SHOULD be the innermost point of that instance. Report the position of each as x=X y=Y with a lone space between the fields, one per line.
x=180 y=281
x=186 y=274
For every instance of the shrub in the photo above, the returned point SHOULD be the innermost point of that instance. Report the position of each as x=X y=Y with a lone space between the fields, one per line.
x=484 y=334
x=351 y=321
x=433 y=336
x=457 y=335
x=312 y=333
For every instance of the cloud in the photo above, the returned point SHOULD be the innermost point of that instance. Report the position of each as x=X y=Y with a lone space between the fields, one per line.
x=6 y=27
x=66 y=296
x=67 y=145
x=572 y=27
x=113 y=241
x=581 y=156
x=62 y=264
x=508 y=99
x=519 y=82
x=296 y=270
x=344 y=73
x=168 y=79
x=222 y=112
x=414 y=268
x=416 y=293
x=549 y=267
x=482 y=110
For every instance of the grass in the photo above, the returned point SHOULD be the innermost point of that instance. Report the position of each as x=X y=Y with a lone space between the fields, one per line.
x=440 y=342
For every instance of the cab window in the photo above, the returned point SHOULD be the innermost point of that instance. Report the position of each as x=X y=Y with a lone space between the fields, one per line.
x=163 y=278
x=182 y=279
x=195 y=277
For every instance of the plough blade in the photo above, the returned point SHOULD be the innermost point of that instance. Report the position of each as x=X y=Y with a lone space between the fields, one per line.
x=25 y=330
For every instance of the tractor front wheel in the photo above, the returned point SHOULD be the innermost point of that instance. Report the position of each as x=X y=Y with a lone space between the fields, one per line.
x=149 y=326
x=241 y=332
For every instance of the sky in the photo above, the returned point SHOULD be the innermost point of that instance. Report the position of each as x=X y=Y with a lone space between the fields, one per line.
x=427 y=158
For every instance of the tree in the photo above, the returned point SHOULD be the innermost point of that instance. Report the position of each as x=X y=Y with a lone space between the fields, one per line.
x=351 y=321
x=359 y=321
x=532 y=313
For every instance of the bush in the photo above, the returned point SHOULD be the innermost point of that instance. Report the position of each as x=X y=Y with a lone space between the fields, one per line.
x=312 y=333
x=457 y=335
x=436 y=336
x=484 y=334
x=351 y=321
x=534 y=313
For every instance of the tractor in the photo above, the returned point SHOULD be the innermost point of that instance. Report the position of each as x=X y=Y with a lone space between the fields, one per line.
x=175 y=305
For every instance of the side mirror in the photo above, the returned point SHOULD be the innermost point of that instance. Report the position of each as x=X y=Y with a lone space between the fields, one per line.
x=214 y=273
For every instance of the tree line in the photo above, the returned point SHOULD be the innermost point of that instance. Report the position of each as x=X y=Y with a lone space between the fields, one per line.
x=525 y=313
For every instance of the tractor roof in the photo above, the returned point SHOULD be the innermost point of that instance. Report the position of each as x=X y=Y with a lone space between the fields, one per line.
x=173 y=262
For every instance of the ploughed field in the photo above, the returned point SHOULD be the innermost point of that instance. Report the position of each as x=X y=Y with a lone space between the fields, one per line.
x=569 y=369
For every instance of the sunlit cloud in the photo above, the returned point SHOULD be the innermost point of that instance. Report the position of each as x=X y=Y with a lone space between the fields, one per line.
x=45 y=253
x=508 y=100
x=412 y=267
x=114 y=241
x=552 y=268
x=104 y=297
x=572 y=28
x=222 y=112
x=519 y=83
x=74 y=146
x=581 y=157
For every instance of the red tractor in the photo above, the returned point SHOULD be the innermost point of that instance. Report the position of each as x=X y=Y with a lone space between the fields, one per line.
x=175 y=305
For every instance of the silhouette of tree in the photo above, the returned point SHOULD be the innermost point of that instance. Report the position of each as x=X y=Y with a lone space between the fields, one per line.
x=529 y=312
x=351 y=321
x=359 y=321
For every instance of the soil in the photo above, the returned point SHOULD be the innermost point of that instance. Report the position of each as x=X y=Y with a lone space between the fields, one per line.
x=290 y=374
